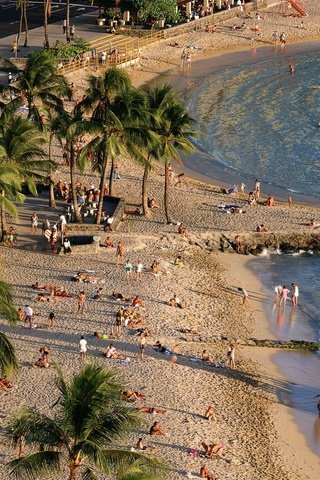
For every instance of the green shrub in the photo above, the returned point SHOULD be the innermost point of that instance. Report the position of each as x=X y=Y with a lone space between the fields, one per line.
x=65 y=50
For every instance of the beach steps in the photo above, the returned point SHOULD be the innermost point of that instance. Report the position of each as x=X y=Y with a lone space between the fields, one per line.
x=298 y=6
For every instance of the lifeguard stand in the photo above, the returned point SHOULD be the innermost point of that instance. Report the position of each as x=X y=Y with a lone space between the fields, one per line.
x=292 y=7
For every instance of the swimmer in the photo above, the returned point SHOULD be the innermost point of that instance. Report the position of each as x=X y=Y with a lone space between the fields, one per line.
x=291 y=68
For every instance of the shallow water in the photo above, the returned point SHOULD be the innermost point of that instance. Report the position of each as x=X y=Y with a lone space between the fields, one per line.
x=302 y=369
x=262 y=121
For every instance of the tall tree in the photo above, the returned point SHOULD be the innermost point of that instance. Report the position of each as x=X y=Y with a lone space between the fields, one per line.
x=22 y=6
x=8 y=358
x=47 y=15
x=68 y=20
x=40 y=85
x=120 y=118
x=69 y=126
x=81 y=437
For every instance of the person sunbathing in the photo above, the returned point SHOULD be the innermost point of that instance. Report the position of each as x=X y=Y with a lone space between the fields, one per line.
x=139 y=446
x=5 y=384
x=150 y=410
x=156 y=430
x=49 y=288
x=108 y=243
x=175 y=302
x=213 y=449
x=61 y=293
x=42 y=298
x=205 y=473
x=178 y=262
x=155 y=268
x=132 y=396
x=135 y=323
x=137 y=302
x=192 y=330
x=182 y=230
x=152 y=204
x=210 y=414
x=270 y=201
x=206 y=357
x=36 y=286
x=110 y=352
x=119 y=296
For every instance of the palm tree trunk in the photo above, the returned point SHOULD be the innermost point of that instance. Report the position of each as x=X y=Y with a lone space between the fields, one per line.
x=68 y=20
x=166 y=190
x=25 y=22
x=52 y=201
x=4 y=226
x=20 y=24
x=45 y=22
x=144 y=197
x=111 y=177
x=101 y=187
x=73 y=471
x=77 y=215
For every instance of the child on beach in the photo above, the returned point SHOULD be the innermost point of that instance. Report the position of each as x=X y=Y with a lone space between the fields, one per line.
x=231 y=355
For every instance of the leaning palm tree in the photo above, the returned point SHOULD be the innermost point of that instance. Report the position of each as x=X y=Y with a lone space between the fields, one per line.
x=82 y=435
x=22 y=6
x=40 y=85
x=8 y=358
x=47 y=15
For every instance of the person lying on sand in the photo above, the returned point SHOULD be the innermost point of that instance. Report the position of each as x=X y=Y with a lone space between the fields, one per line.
x=175 y=302
x=42 y=298
x=132 y=396
x=111 y=352
x=121 y=297
x=151 y=410
x=213 y=449
x=139 y=446
x=152 y=204
x=313 y=223
x=36 y=286
x=210 y=413
x=205 y=473
x=61 y=293
x=86 y=278
x=5 y=384
x=192 y=330
x=206 y=357
x=156 y=430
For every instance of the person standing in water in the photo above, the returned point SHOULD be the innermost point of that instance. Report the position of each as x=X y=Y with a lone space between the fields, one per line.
x=294 y=294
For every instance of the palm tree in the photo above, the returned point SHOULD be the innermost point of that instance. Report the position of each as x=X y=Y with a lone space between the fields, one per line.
x=47 y=15
x=22 y=5
x=40 y=85
x=105 y=98
x=69 y=126
x=8 y=359
x=22 y=160
x=68 y=20
x=172 y=125
x=81 y=436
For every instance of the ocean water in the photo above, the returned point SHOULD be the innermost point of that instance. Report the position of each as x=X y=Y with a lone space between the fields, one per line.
x=260 y=121
x=302 y=369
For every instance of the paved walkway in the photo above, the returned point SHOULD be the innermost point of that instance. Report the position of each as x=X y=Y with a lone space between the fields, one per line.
x=85 y=25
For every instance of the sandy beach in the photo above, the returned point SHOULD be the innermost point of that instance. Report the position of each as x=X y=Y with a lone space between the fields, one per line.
x=253 y=418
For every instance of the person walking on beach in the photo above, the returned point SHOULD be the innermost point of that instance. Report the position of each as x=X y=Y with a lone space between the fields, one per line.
x=282 y=39
x=231 y=356
x=183 y=59
x=128 y=270
x=139 y=268
x=143 y=342
x=294 y=294
x=284 y=295
x=28 y=315
x=256 y=190
x=275 y=38
x=81 y=302
x=51 y=319
x=34 y=223
x=83 y=348
x=245 y=298
x=119 y=253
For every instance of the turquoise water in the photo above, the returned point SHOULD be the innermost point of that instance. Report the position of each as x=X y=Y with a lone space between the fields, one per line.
x=302 y=369
x=261 y=121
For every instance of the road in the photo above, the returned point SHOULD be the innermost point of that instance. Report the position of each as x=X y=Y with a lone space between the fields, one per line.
x=9 y=16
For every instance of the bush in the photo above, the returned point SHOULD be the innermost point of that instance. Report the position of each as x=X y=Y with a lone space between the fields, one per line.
x=65 y=50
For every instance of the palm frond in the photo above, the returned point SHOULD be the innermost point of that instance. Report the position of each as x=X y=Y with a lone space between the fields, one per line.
x=35 y=466
x=8 y=359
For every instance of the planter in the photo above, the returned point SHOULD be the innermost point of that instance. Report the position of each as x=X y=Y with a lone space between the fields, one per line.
x=101 y=21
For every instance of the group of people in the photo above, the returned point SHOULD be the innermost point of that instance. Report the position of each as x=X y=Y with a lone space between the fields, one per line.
x=282 y=293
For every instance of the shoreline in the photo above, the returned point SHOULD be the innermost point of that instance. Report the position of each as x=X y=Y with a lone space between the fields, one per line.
x=215 y=61
x=304 y=459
